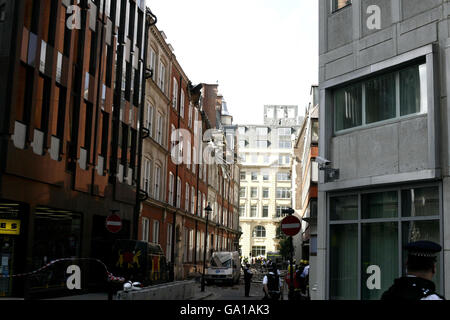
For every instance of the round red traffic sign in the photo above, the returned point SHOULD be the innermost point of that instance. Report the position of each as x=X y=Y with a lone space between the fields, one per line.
x=291 y=225
x=113 y=223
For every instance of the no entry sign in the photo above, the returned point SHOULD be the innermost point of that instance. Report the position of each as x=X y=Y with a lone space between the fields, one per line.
x=113 y=223
x=291 y=225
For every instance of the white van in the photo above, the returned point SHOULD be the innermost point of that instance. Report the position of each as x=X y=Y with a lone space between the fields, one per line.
x=224 y=267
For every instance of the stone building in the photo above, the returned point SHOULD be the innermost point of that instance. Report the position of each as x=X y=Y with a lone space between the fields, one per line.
x=265 y=178
x=384 y=120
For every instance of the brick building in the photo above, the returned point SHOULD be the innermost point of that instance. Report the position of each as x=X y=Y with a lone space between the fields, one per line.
x=69 y=101
x=175 y=177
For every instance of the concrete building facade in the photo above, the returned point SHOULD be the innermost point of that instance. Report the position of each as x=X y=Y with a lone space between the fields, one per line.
x=384 y=119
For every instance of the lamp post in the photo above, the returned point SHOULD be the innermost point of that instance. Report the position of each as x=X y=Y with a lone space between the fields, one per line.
x=208 y=210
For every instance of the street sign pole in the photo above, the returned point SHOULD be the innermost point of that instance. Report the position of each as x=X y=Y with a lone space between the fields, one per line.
x=291 y=283
x=291 y=226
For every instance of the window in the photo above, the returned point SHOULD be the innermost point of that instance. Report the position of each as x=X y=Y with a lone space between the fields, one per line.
x=178 y=192
x=265 y=212
x=149 y=120
x=370 y=228
x=258 y=251
x=159 y=129
x=339 y=4
x=242 y=211
x=283 y=193
x=186 y=198
x=413 y=90
x=162 y=77
x=169 y=243
x=182 y=104
x=204 y=206
x=242 y=192
x=259 y=232
x=171 y=186
x=284 y=132
x=284 y=160
x=279 y=211
x=380 y=98
x=254 y=192
x=254 y=176
x=188 y=154
x=175 y=94
x=190 y=116
x=266 y=177
x=147 y=175
x=266 y=193
x=262 y=144
x=389 y=96
x=194 y=160
x=155 y=235
x=253 y=211
x=191 y=245
x=284 y=144
x=199 y=204
x=153 y=63
x=145 y=229
x=262 y=132
x=157 y=182
x=283 y=176
x=192 y=200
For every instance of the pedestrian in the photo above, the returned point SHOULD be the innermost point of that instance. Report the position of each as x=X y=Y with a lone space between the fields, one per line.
x=421 y=267
x=304 y=281
x=272 y=284
x=248 y=274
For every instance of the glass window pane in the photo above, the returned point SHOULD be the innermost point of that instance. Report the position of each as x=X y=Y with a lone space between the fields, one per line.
x=422 y=230
x=344 y=262
x=348 y=107
x=380 y=98
x=344 y=208
x=379 y=249
x=380 y=205
x=410 y=92
x=420 y=202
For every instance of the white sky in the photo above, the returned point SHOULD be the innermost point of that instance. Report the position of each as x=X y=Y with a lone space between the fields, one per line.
x=260 y=51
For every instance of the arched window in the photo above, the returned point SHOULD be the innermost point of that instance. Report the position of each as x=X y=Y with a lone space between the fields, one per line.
x=259 y=232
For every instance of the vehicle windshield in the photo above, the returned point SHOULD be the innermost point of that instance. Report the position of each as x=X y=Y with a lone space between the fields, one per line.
x=221 y=261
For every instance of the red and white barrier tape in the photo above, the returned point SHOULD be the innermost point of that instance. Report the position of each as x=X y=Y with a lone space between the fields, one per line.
x=111 y=277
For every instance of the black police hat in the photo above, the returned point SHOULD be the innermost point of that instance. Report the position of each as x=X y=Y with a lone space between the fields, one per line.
x=426 y=249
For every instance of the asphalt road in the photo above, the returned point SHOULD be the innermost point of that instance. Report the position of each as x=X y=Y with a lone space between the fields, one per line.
x=237 y=291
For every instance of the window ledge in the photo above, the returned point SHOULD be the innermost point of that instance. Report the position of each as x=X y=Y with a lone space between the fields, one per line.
x=380 y=124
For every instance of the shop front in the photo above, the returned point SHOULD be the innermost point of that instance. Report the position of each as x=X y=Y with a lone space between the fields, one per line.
x=367 y=232
x=12 y=240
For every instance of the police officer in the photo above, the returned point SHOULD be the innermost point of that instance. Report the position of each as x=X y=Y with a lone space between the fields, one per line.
x=421 y=267
x=248 y=274
x=272 y=284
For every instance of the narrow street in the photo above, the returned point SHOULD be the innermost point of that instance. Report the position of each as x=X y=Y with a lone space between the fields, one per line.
x=237 y=291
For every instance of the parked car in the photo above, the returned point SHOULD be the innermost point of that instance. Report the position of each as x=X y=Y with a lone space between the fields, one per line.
x=225 y=267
